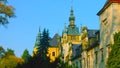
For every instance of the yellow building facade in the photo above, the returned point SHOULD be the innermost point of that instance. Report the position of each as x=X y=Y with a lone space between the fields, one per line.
x=53 y=53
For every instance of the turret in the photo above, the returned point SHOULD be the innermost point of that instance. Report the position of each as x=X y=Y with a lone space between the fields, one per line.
x=72 y=18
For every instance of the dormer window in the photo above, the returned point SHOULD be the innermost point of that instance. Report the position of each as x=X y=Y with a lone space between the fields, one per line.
x=105 y=21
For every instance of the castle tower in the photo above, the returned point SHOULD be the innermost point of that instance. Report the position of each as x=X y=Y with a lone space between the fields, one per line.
x=109 y=17
x=70 y=37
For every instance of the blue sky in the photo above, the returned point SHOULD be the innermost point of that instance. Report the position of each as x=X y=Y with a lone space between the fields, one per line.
x=21 y=32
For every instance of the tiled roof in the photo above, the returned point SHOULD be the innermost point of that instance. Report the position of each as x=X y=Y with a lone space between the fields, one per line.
x=107 y=4
x=54 y=40
x=96 y=42
x=76 y=51
x=92 y=33
x=73 y=30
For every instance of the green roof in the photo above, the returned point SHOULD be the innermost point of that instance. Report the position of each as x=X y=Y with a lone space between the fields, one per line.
x=73 y=30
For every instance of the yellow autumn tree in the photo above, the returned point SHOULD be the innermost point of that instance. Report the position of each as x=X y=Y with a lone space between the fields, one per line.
x=10 y=61
x=6 y=11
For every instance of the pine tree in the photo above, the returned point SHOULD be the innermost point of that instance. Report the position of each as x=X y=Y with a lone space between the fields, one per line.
x=44 y=43
x=40 y=59
x=114 y=56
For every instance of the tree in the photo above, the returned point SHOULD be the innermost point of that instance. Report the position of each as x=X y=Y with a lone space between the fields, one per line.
x=114 y=56
x=40 y=59
x=43 y=49
x=6 y=11
x=9 y=52
x=26 y=56
x=10 y=61
x=2 y=52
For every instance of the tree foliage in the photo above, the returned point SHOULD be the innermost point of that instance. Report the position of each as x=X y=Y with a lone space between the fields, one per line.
x=6 y=11
x=114 y=56
x=8 y=58
x=2 y=52
x=40 y=59
x=10 y=61
x=9 y=52
x=26 y=56
x=59 y=63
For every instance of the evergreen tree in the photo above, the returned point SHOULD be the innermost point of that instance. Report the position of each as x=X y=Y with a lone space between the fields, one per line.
x=114 y=56
x=26 y=56
x=40 y=59
x=6 y=11
x=44 y=48
x=44 y=43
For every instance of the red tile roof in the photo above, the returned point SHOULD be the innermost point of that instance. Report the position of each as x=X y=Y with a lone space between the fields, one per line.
x=114 y=1
x=107 y=4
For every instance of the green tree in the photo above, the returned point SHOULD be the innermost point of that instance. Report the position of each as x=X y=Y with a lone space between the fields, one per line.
x=40 y=60
x=6 y=11
x=9 y=52
x=26 y=56
x=114 y=56
x=59 y=63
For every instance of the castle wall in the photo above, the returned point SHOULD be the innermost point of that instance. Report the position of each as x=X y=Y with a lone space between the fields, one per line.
x=109 y=24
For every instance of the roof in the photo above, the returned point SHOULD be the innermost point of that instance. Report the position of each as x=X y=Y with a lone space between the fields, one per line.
x=54 y=41
x=76 y=51
x=107 y=4
x=73 y=30
x=96 y=42
x=92 y=33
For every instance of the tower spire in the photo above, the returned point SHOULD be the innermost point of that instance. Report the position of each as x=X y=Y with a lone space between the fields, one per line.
x=72 y=17
x=38 y=38
x=65 y=28
x=39 y=29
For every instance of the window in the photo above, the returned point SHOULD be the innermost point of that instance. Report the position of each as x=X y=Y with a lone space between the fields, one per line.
x=84 y=62
x=53 y=53
x=80 y=64
x=76 y=63
x=102 y=57
x=105 y=21
x=96 y=58
x=88 y=61
x=108 y=51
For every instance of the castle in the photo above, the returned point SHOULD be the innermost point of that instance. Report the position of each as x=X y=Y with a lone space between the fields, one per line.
x=85 y=48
